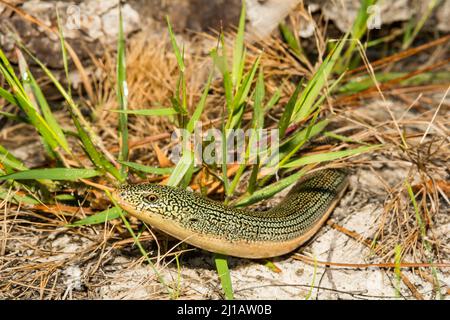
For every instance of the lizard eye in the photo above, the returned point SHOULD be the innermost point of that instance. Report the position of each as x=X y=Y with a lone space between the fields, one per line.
x=152 y=197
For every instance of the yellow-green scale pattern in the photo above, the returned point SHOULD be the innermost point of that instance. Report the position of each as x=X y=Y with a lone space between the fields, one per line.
x=298 y=212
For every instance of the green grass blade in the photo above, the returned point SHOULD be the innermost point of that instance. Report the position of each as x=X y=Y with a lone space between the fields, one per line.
x=290 y=39
x=44 y=108
x=50 y=75
x=225 y=181
x=183 y=90
x=14 y=117
x=298 y=137
x=313 y=281
x=292 y=152
x=100 y=217
x=423 y=233
x=147 y=169
x=416 y=210
x=11 y=164
x=97 y=158
x=175 y=47
x=179 y=104
x=330 y=89
x=8 y=96
x=235 y=117
x=9 y=72
x=17 y=199
x=47 y=113
x=285 y=119
x=292 y=145
x=26 y=81
x=220 y=62
x=304 y=104
x=187 y=177
x=258 y=110
x=52 y=174
x=200 y=105
x=122 y=95
x=149 y=112
x=366 y=82
x=9 y=161
x=272 y=266
x=398 y=277
x=176 y=104
x=244 y=89
x=358 y=29
x=224 y=275
x=185 y=163
x=39 y=122
x=418 y=25
x=65 y=197
x=88 y=137
x=360 y=24
x=257 y=123
x=235 y=180
x=329 y=156
x=270 y=190
x=85 y=132
x=273 y=100
x=238 y=52
x=342 y=138
x=253 y=178
x=25 y=104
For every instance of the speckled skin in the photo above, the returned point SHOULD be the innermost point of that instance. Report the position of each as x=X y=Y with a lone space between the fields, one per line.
x=297 y=214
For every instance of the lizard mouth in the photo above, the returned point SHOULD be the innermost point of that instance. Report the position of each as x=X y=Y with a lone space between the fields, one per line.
x=117 y=196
